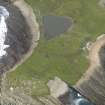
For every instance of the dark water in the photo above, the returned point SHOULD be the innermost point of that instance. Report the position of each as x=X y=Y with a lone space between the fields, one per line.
x=55 y=25
x=73 y=97
x=18 y=37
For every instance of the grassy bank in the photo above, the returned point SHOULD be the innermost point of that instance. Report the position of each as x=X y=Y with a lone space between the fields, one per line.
x=62 y=56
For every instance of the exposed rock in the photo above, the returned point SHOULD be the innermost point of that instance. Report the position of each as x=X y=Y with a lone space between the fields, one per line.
x=73 y=97
x=19 y=98
x=48 y=100
x=22 y=34
x=92 y=84
x=66 y=99
x=102 y=3
x=57 y=87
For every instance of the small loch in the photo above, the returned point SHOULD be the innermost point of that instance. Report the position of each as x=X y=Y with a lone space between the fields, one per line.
x=54 y=26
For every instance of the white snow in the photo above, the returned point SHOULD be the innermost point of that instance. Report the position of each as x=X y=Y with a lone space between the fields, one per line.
x=3 y=30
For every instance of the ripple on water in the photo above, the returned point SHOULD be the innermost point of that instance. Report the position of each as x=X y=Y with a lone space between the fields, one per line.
x=15 y=36
x=4 y=14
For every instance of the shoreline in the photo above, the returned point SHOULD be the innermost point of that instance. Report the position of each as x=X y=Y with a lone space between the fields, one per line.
x=30 y=17
x=93 y=58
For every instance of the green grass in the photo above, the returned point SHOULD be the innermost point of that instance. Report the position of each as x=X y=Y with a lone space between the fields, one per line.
x=61 y=56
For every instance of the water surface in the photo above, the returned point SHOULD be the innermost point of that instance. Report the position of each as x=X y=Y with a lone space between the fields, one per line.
x=55 y=25
x=73 y=97
x=15 y=36
x=4 y=14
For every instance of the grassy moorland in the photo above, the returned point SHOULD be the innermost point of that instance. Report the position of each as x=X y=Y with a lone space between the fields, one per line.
x=61 y=56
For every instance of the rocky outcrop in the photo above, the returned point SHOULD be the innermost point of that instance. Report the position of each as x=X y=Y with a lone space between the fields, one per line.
x=60 y=90
x=92 y=84
x=22 y=34
x=65 y=94
x=19 y=98
x=57 y=87
x=102 y=3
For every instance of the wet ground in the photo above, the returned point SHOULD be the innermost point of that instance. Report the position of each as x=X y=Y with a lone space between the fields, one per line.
x=55 y=25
